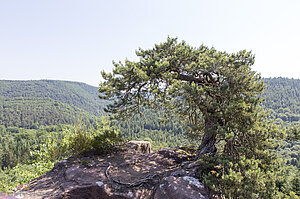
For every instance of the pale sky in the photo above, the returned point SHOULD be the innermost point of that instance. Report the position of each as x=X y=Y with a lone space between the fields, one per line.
x=76 y=39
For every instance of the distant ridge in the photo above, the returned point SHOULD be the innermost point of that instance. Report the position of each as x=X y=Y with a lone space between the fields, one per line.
x=47 y=102
x=77 y=94
x=50 y=102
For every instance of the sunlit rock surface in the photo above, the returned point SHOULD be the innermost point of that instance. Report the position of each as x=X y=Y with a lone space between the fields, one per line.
x=132 y=173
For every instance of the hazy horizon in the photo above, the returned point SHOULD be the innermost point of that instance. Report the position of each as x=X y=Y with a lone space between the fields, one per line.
x=91 y=84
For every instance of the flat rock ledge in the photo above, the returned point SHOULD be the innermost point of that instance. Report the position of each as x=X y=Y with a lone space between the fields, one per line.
x=134 y=173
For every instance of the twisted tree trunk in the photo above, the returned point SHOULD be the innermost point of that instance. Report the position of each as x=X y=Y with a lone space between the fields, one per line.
x=208 y=143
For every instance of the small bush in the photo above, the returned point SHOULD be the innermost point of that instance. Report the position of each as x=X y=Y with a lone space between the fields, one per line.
x=78 y=139
x=105 y=137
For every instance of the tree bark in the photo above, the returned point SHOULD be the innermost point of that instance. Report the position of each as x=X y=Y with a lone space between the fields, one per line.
x=208 y=143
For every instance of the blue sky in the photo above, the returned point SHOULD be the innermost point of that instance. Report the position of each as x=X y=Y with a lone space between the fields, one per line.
x=76 y=39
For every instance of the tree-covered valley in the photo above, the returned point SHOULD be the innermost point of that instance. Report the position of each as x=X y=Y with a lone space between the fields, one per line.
x=30 y=111
x=29 y=105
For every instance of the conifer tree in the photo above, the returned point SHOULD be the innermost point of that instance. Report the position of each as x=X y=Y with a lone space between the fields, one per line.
x=211 y=91
x=215 y=94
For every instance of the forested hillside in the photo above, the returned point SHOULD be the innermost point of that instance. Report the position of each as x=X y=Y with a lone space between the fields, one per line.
x=30 y=104
x=17 y=143
x=283 y=100
x=34 y=104
x=49 y=102
x=31 y=113
x=148 y=126
x=77 y=94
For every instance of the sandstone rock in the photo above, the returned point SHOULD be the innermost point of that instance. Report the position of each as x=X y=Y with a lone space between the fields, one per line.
x=140 y=146
x=126 y=174
x=60 y=164
x=178 y=173
x=73 y=173
x=181 y=188
x=129 y=162
x=169 y=153
x=6 y=196
x=90 y=192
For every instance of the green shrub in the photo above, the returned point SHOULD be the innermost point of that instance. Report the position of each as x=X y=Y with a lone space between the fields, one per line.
x=22 y=173
x=78 y=139
x=249 y=178
x=104 y=137
x=73 y=140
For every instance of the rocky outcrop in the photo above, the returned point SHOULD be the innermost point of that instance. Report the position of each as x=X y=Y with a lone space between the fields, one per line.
x=185 y=187
x=133 y=173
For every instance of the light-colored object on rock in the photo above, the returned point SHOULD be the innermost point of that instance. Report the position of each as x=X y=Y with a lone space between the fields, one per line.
x=100 y=184
x=181 y=188
x=140 y=146
x=193 y=181
x=19 y=196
